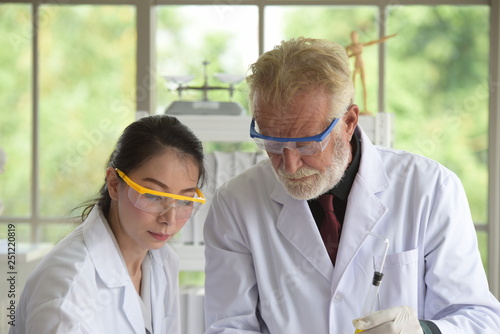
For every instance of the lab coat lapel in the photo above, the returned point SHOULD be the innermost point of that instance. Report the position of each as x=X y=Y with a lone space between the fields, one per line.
x=297 y=225
x=110 y=267
x=364 y=209
x=132 y=308
x=100 y=240
x=158 y=285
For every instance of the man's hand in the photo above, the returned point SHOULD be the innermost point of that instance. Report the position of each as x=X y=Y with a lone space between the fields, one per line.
x=395 y=320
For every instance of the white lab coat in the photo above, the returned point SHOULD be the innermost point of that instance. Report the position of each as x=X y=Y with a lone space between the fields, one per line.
x=83 y=286
x=267 y=270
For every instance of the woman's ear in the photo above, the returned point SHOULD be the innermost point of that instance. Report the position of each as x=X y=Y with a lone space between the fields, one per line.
x=112 y=183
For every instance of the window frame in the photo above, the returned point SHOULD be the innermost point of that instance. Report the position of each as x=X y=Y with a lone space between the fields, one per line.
x=145 y=87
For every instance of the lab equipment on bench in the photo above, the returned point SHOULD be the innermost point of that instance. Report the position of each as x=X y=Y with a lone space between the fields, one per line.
x=205 y=106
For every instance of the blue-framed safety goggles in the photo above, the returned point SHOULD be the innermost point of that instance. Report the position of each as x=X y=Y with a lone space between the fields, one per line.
x=304 y=145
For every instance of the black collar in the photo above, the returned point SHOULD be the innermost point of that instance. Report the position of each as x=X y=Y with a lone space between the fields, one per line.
x=342 y=189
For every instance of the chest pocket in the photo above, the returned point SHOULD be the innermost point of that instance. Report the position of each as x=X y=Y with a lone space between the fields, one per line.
x=400 y=282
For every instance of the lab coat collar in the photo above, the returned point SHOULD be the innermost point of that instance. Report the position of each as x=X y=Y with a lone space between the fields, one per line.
x=364 y=209
x=371 y=168
x=297 y=225
x=159 y=280
x=110 y=266
x=104 y=251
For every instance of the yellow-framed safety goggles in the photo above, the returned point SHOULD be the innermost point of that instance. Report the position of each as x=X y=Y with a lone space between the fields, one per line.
x=153 y=201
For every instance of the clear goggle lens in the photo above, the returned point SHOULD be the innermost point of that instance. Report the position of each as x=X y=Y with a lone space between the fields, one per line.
x=150 y=203
x=303 y=147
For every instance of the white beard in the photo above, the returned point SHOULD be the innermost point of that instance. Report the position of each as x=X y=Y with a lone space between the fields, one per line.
x=318 y=183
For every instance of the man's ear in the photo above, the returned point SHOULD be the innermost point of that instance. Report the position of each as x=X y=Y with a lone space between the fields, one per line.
x=112 y=182
x=351 y=119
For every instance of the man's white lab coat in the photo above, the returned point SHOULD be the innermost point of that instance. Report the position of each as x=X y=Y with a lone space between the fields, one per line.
x=83 y=286
x=267 y=270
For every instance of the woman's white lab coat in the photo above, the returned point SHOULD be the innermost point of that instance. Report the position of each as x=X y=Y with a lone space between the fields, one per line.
x=267 y=270
x=83 y=286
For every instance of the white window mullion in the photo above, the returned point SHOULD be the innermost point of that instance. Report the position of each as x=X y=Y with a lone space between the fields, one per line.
x=494 y=152
x=261 y=28
x=145 y=57
x=35 y=199
x=382 y=17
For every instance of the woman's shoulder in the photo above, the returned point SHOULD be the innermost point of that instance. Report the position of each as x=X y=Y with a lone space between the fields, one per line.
x=61 y=271
x=67 y=253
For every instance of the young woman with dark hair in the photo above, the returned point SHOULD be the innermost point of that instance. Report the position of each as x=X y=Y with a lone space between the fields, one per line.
x=115 y=272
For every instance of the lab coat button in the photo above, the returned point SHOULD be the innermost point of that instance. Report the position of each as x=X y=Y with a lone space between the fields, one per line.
x=338 y=297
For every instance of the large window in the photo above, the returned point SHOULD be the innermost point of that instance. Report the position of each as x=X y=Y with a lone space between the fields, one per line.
x=75 y=72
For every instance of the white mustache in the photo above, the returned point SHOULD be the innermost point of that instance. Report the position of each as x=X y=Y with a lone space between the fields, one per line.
x=303 y=172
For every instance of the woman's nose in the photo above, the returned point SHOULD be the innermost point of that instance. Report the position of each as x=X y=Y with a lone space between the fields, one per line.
x=168 y=216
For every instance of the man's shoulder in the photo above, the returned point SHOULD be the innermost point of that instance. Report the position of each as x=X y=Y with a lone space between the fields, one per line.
x=262 y=170
x=256 y=180
x=412 y=158
x=408 y=164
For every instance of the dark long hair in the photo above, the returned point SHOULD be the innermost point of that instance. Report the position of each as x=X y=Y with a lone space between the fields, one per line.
x=142 y=140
